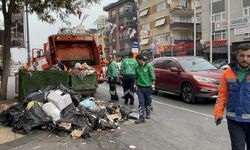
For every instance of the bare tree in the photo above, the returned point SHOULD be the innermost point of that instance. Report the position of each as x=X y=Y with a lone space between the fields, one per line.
x=44 y=9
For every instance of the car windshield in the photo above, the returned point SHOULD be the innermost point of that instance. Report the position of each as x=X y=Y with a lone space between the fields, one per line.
x=195 y=64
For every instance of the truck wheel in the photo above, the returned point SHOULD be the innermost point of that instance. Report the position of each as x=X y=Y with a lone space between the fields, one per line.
x=187 y=93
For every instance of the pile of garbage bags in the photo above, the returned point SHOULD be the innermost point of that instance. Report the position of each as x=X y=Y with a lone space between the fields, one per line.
x=64 y=112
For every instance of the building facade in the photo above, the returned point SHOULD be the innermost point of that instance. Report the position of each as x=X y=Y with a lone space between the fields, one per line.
x=122 y=27
x=101 y=37
x=239 y=25
x=166 y=23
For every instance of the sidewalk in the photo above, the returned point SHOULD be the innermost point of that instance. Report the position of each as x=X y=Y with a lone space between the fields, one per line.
x=6 y=134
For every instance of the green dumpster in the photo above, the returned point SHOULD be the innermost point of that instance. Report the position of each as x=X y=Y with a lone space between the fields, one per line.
x=85 y=86
x=30 y=81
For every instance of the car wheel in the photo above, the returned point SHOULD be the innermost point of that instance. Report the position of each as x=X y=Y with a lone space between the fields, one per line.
x=187 y=93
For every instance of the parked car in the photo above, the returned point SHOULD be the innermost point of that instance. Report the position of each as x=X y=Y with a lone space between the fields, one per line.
x=219 y=63
x=188 y=76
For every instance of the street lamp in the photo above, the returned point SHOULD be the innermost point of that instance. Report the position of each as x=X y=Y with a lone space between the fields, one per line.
x=194 y=27
x=171 y=44
x=27 y=31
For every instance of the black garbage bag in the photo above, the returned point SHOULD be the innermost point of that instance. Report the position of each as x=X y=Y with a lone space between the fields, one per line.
x=37 y=96
x=111 y=109
x=70 y=115
x=104 y=124
x=124 y=111
x=32 y=118
x=12 y=115
x=48 y=88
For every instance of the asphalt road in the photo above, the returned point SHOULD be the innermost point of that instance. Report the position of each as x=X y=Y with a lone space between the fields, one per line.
x=174 y=125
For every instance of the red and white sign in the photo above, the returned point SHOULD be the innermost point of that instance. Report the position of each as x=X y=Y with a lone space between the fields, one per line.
x=220 y=25
x=239 y=31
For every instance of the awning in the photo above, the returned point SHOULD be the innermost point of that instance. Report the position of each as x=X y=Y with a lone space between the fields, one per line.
x=160 y=22
x=143 y=12
x=218 y=50
x=144 y=41
x=181 y=53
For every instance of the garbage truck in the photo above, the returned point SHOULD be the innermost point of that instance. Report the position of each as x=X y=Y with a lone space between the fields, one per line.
x=69 y=49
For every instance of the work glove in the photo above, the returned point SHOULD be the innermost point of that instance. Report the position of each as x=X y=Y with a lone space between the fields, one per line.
x=218 y=120
x=135 y=88
x=153 y=87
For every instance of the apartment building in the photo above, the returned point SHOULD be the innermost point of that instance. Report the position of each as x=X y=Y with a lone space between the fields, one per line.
x=239 y=25
x=122 y=28
x=167 y=26
x=101 y=37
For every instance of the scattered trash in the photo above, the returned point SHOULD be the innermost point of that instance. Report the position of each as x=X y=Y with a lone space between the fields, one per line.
x=112 y=141
x=61 y=111
x=76 y=133
x=132 y=146
x=37 y=147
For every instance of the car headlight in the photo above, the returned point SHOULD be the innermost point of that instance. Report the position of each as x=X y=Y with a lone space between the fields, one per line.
x=204 y=79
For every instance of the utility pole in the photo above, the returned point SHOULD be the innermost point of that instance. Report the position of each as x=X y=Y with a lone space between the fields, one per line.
x=228 y=32
x=195 y=27
x=27 y=31
x=211 y=31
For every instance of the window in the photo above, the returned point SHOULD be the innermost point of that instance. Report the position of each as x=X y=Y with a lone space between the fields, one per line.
x=121 y=10
x=170 y=64
x=247 y=35
x=160 y=22
x=183 y=3
x=143 y=12
x=183 y=19
x=161 y=64
x=145 y=27
x=128 y=8
x=219 y=35
x=161 y=37
x=144 y=41
x=184 y=36
x=113 y=13
x=161 y=6
x=216 y=1
x=218 y=16
x=144 y=1
x=246 y=11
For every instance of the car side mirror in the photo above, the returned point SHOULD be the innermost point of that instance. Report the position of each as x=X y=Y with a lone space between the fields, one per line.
x=174 y=69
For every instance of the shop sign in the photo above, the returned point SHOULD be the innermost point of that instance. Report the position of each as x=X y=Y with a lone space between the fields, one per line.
x=243 y=30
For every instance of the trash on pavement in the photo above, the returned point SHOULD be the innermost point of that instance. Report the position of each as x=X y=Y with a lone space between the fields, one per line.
x=61 y=111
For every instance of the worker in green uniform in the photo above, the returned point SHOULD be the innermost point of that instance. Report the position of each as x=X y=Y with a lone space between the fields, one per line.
x=145 y=82
x=112 y=73
x=128 y=78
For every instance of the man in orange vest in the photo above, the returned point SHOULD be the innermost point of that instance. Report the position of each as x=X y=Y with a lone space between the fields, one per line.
x=234 y=94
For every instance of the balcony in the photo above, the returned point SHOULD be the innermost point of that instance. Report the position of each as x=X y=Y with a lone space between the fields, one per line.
x=127 y=14
x=182 y=11
x=111 y=19
x=182 y=25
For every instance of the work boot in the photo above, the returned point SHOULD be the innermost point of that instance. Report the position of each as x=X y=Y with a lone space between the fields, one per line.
x=126 y=102
x=147 y=115
x=141 y=120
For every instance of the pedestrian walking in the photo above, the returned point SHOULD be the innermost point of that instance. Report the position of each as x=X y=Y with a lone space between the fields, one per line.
x=145 y=81
x=112 y=73
x=235 y=96
x=128 y=78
